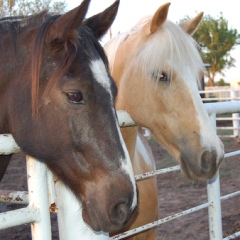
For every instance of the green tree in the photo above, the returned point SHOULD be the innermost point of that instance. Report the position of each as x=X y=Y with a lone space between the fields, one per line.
x=216 y=40
x=28 y=7
x=221 y=82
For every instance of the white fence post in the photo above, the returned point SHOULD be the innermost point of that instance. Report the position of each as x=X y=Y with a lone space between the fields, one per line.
x=70 y=223
x=236 y=122
x=38 y=198
x=214 y=210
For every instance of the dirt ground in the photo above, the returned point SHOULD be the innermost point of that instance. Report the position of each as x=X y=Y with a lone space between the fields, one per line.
x=176 y=194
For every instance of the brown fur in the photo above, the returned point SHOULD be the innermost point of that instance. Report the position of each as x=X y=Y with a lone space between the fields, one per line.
x=59 y=112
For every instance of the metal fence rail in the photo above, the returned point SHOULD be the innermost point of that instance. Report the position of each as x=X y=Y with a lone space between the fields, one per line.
x=176 y=215
x=213 y=186
x=37 y=211
x=223 y=94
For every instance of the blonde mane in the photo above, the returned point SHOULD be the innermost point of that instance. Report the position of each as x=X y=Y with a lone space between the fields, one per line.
x=170 y=44
x=113 y=45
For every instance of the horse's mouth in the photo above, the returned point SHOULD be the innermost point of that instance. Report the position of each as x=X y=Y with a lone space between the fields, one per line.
x=196 y=173
x=102 y=223
x=91 y=219
x=203 y=167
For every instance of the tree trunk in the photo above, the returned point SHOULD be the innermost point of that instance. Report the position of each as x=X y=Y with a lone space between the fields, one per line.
x=211 y=82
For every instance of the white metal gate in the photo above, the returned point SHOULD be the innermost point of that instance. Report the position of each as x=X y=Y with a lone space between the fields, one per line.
x=71 y=226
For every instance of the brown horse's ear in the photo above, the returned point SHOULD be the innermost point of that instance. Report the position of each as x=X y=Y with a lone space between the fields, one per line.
x=190 y=26
x=101 y=22
x=159 y=18
x=68 y=22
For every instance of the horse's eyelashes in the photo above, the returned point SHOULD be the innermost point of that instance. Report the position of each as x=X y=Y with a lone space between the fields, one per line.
x=75 y=97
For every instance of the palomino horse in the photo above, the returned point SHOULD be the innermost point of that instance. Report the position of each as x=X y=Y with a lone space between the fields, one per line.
x=57 y=100
x=157 y=68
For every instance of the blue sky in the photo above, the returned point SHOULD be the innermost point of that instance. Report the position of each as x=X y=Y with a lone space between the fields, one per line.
x=130 y=11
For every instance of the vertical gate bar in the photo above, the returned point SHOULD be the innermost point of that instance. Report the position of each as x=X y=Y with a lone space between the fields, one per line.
x=70 y=222
x=51 y=190
x=214 y=210
x=236 y=123
x=38 y=198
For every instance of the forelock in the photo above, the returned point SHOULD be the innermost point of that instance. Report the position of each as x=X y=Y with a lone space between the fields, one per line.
x=170 y=45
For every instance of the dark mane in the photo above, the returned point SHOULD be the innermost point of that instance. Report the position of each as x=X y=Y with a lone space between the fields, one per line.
x=37 y=54
x=13 y=26
x=12 y=19
x=57 y=101
x=67 y=49
x=19 y=22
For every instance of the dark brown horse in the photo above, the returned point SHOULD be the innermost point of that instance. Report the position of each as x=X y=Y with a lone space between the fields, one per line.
x=57 y=100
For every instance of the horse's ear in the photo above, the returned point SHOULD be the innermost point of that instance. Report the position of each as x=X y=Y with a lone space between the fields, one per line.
x=101 y=22
x=190 y=26
x=68 y=22
x=159 y=18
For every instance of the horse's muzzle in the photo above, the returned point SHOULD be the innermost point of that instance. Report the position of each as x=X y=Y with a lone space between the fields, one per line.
x=120 y=213
x=111 y=214
x=204 y=168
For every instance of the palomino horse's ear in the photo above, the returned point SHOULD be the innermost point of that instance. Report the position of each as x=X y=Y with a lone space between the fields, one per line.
x=190 y=26
x=68 y=22
x=159 y=18
x=101 y=22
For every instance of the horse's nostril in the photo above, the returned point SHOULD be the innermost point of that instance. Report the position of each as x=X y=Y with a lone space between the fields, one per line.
x=208 y=160
x=120 y=213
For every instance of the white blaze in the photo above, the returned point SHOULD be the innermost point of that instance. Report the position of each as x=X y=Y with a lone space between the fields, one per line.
x=100 y=74
x=208 y=134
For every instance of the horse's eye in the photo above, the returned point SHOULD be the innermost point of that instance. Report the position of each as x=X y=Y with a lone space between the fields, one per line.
x=75 y=97
x=162 y=77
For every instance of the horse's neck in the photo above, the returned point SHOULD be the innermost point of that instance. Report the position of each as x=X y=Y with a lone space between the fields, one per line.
x=3 y=123
x=11 y=82
x=8 y=66
x=122 y=100
x=140 y=152
x=7 y=71
x=4 y=103
x=130 y=135
x=120 y=64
